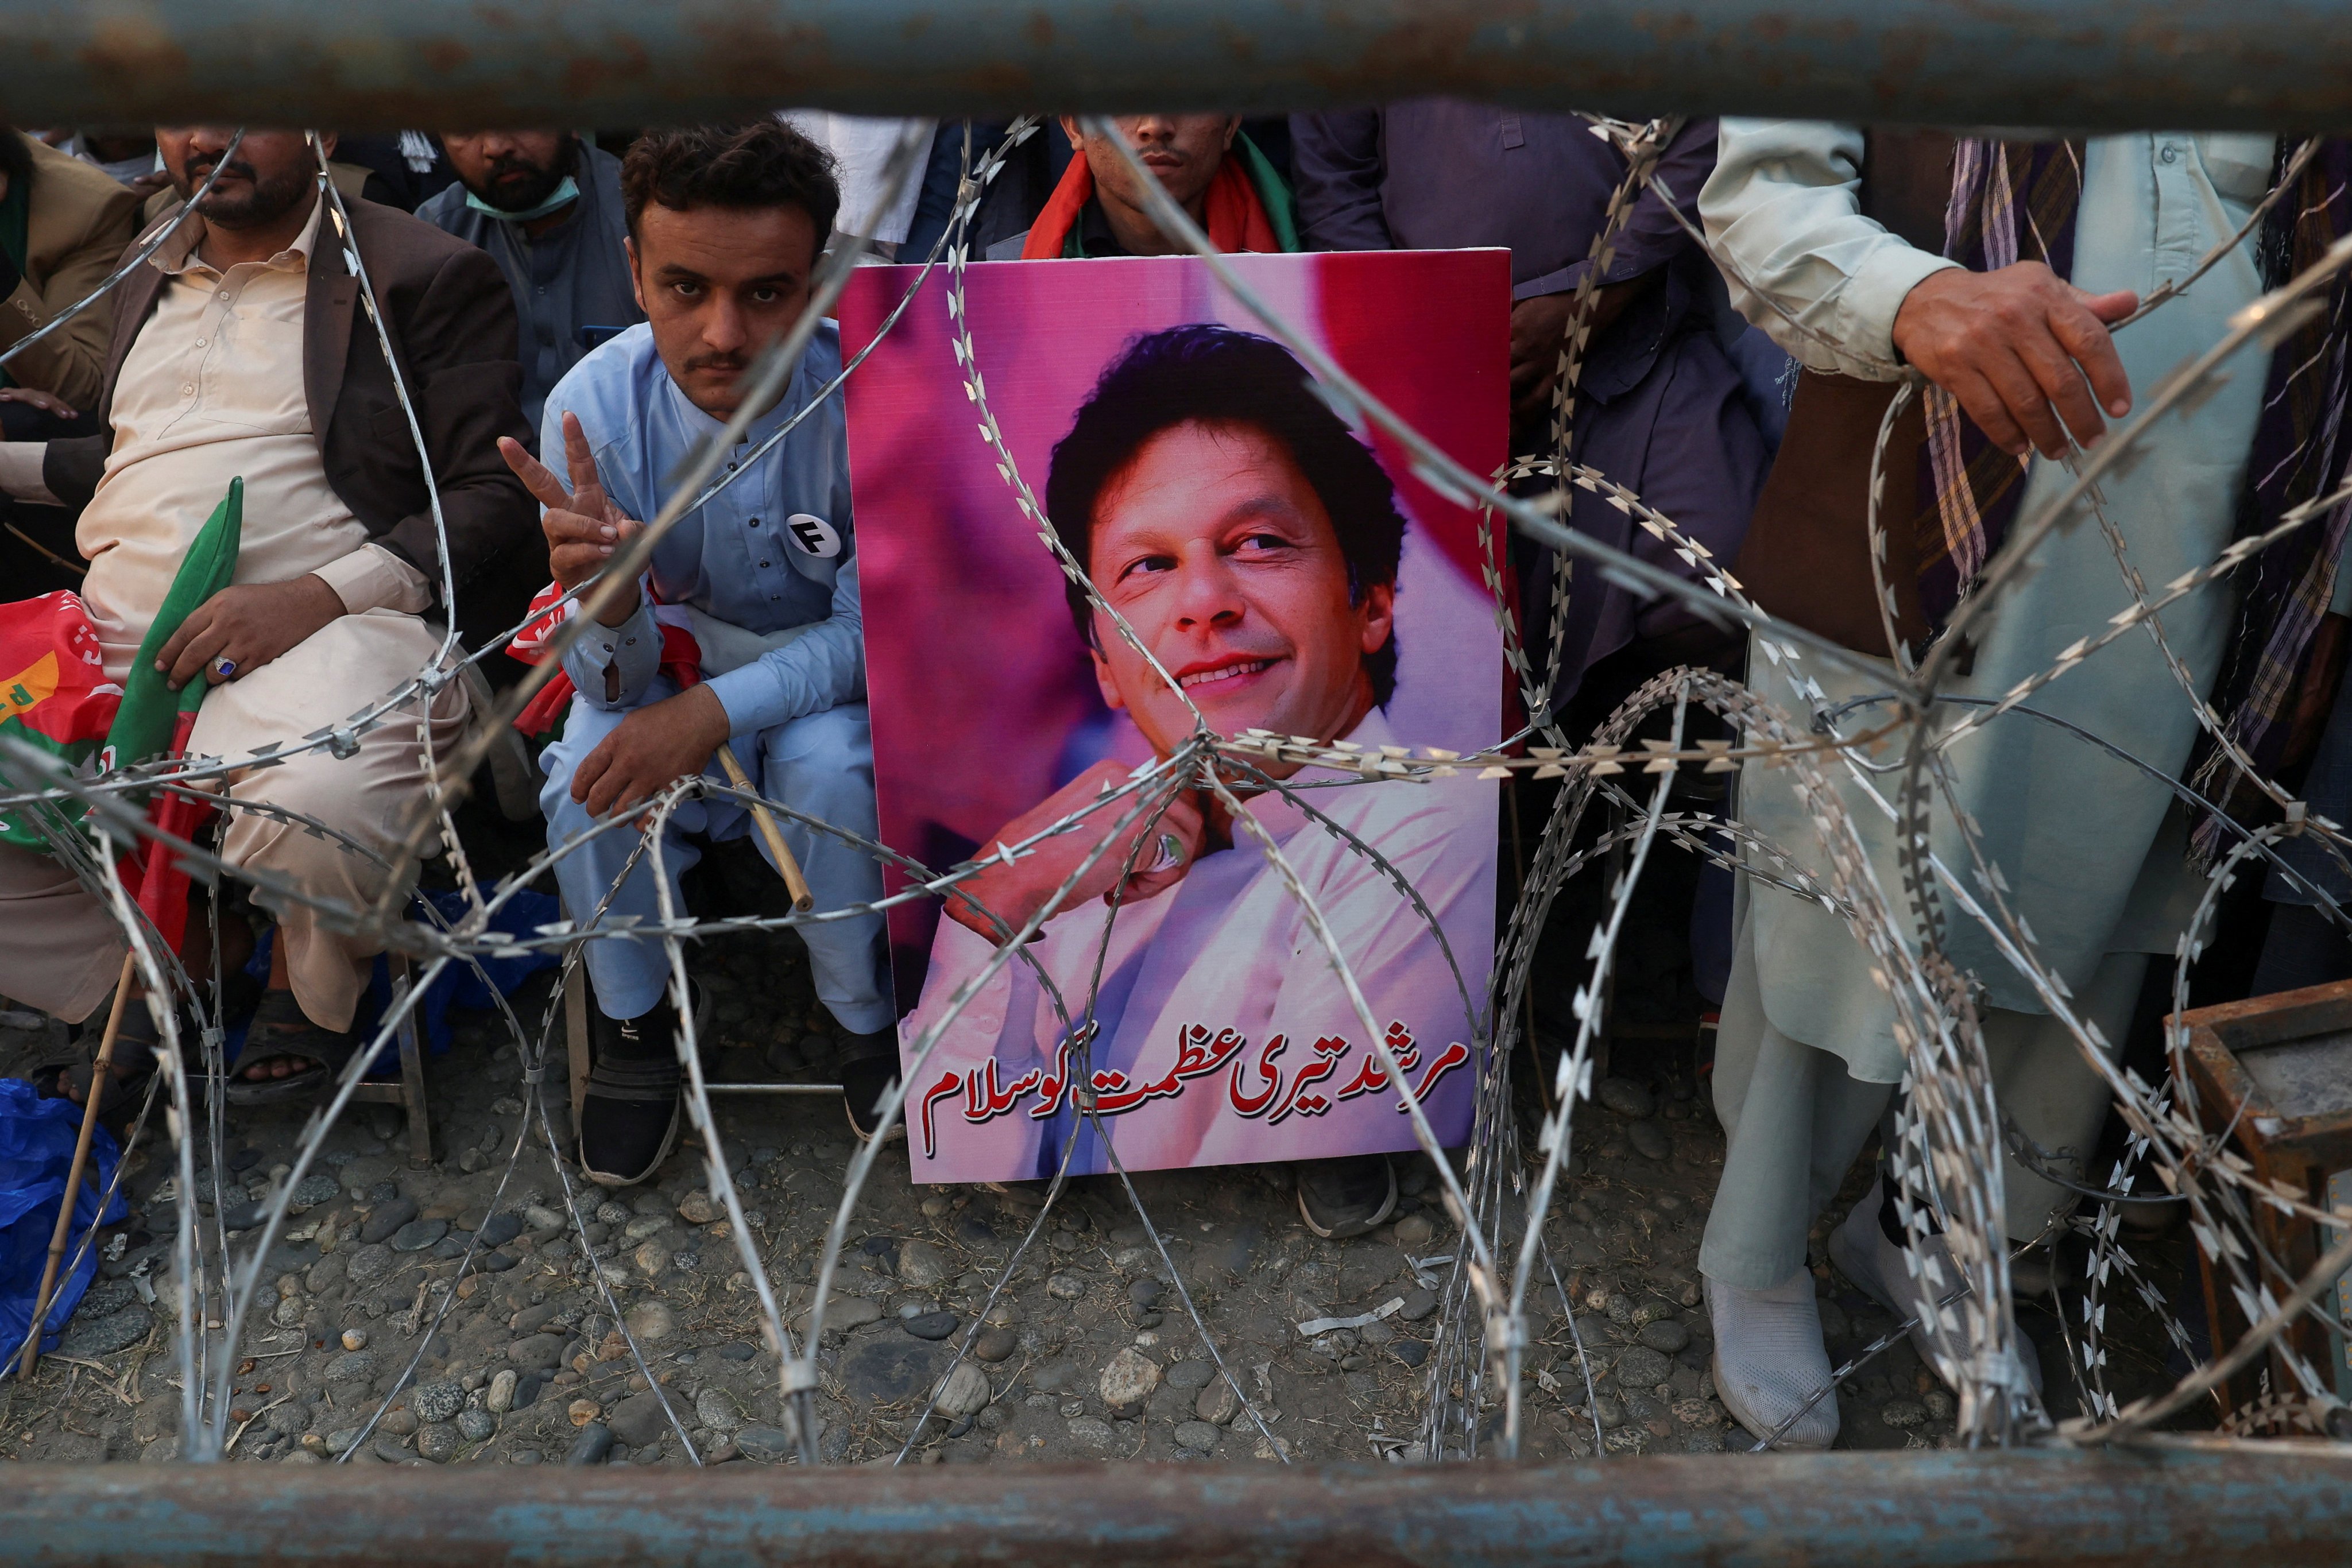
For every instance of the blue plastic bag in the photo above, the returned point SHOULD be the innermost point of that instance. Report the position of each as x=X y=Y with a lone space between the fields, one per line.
x=36 y=1145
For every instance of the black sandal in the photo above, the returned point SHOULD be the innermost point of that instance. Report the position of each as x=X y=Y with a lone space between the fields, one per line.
x=280 y=1029
x=135 y=1042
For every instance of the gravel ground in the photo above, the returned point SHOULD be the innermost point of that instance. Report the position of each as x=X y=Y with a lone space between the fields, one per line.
x=1086 y=1354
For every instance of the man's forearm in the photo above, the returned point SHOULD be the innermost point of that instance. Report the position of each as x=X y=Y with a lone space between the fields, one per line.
x=20 y=471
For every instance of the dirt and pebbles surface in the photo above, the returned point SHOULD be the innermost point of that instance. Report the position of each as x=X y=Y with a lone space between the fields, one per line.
x=1086 y=1354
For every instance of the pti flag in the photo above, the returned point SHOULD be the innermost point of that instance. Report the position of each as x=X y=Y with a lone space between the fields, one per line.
x=55 y=696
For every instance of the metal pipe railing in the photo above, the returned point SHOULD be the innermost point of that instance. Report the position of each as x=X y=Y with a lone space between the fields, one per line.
x=2283 y=1507
x=438 y=64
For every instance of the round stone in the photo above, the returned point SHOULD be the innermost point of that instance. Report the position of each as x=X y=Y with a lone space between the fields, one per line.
x=500 y=1228
x=1144 y=1293
x=1417 y=1304
x=651 y=1321
x=1198 y=1435
x=1650 y=1141
x=438 y=1443
x=1626 y=1097
x=401 y=1423
x=697 y=1208
x=475 y=1426
x=1216 y=1403
x=582 y=1411
x=1189 y=1375
x=436 y=1401
x=369 y=1264
x=1066 y=1287
x=1128 y=1379
x=1415 y=1230
x=921 y=1265
x=651 y=1259
x=1665 y=1335
x=716 y=1409
x=501 y=1395
x=351 y=1366
x=964 y=1391
x=1903 y=1413
x=1643 y=1367
x=312 y=1190
x=995 y=1344
x=1411 y=1351
x=418 y=1234
x=931 y=1325
x=355 y=1339
x=595 y=1441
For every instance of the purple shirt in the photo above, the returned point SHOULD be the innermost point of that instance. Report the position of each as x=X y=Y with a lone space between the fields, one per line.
x=1660 y=407
x=1440 y=174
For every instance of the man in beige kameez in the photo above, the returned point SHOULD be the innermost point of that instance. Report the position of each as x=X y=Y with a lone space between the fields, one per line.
x=242 y=352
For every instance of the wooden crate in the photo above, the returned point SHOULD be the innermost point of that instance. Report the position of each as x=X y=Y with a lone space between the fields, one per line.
x=2277 y=1072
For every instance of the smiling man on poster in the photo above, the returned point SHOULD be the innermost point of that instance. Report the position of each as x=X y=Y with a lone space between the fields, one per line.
x=1252 y=543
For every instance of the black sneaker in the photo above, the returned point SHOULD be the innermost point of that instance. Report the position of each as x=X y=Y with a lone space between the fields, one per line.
x=1344 y=1197
x=870 y=1066
x=631 y=1110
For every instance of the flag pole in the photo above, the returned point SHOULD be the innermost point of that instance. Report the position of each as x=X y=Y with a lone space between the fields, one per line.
x=73 y=1173
x=794 y=883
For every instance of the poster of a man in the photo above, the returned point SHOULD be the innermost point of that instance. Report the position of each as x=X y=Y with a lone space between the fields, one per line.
x=1272 y=575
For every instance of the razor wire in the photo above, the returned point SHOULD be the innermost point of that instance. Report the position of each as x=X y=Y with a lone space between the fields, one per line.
x=1945 y=1162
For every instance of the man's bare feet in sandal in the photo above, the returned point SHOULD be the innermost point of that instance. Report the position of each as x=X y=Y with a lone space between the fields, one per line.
x=278 y=1013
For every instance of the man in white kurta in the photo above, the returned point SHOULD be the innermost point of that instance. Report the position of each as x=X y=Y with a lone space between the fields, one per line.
x=2091 y=845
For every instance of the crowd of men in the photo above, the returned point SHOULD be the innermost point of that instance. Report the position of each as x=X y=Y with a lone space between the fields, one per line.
x=571 y=317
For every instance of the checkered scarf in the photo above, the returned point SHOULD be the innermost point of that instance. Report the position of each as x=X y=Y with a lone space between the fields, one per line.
x=2016 y=200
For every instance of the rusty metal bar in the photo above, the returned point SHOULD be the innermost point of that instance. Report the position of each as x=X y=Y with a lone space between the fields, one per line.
x=2278 y=1508
x=440 y=64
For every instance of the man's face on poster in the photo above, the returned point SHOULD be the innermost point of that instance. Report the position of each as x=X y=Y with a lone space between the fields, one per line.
x=1221 y=555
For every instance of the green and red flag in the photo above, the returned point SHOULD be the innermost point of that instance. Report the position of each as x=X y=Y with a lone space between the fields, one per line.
x=63 y=703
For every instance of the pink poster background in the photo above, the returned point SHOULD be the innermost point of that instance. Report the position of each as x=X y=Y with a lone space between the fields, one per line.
x=983 y=701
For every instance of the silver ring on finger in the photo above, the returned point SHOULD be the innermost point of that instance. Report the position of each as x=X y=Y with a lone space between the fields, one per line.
x=224 y=668
x=1170 y=856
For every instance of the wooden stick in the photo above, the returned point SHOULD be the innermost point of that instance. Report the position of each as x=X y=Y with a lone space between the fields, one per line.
x=58 y=1238
x=794 y=883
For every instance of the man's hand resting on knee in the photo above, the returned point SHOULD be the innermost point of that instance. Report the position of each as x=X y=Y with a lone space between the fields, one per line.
x=655 y=744
x=2022 y=349
x=249 y=624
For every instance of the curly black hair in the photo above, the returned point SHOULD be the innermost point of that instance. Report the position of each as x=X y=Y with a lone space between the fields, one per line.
x=1209 y=374
x=761 y=164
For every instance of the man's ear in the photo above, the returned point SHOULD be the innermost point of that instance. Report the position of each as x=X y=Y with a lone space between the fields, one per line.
x=327 y=144
x=1232 y=129
x=636 y=277
x=1103 y=681
x=1070 y=128
x=1379 y=612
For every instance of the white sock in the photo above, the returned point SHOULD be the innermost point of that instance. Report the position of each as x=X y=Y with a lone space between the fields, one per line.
x=1770 y=1359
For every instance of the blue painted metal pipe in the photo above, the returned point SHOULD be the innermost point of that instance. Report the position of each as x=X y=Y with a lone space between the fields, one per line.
x=442 y=64
x=2273 y=1507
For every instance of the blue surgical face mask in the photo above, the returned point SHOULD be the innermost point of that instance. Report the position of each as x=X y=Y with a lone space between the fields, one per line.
x=563 y=196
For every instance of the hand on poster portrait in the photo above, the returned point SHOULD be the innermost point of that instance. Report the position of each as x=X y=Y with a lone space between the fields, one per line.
x=1540 y=327
x=583 y=526
x=244 y=627
x=1016 y=892
x=654 y=747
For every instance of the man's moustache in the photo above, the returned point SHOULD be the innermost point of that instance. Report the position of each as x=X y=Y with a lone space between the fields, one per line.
x=718 y=362
x=197 y=174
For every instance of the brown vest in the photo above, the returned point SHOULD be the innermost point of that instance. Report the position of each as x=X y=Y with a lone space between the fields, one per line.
x=1807 y=556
